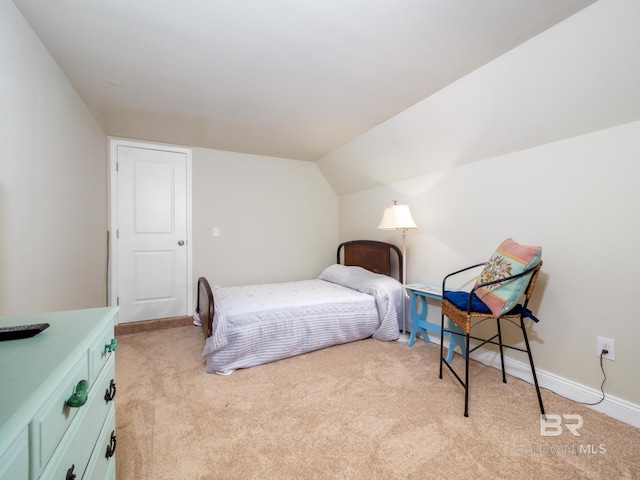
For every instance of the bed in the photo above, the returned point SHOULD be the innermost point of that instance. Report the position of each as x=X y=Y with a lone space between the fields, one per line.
x=353 y=299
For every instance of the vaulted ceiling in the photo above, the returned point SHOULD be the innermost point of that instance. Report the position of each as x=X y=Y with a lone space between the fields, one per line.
x=286 y=78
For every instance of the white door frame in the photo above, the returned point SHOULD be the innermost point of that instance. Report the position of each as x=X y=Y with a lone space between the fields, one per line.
x=114 y=143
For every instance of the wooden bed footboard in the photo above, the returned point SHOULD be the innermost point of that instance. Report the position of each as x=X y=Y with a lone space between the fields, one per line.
x=370 y=254
x=205 y=306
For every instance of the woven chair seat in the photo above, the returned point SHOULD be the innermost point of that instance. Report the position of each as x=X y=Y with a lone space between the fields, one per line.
x=461 y=317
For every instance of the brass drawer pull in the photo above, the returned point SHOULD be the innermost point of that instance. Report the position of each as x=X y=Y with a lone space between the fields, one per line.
x=110 y=392
x=70 y=474
x=111 y=448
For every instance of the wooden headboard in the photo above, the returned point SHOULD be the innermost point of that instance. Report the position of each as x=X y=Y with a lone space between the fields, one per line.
x=370 y=254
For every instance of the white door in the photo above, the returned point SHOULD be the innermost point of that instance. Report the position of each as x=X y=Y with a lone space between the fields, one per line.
x=150 y=231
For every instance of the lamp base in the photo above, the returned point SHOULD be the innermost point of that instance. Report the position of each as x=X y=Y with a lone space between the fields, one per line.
x=404 y=337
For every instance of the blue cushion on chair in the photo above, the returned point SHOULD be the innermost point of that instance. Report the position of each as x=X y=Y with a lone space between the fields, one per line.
x=461 y=299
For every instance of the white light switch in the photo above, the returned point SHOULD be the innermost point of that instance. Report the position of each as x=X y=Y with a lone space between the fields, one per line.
x=216 y=232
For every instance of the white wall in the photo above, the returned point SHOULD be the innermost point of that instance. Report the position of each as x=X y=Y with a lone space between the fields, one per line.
x=579 y=76
x=548 y=157
x=278 y=218
x=53 y=182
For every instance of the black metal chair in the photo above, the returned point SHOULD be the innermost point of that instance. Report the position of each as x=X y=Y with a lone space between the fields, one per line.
x=466 y=310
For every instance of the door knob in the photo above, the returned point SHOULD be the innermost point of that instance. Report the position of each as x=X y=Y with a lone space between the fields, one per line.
x=180 y=242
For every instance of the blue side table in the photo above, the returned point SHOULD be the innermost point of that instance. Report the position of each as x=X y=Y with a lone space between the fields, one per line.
x=419 y=293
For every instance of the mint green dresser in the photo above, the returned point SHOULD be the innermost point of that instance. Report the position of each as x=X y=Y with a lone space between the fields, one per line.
x=57 y=412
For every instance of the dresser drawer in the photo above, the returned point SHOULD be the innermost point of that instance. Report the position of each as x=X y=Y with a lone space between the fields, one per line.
x=103 y=461
x=75 y=448
x=101 y=350
x=14 y=463
x=103 y=394
x=52 y=420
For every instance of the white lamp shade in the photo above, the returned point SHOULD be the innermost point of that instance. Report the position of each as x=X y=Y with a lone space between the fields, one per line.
x=397 y=217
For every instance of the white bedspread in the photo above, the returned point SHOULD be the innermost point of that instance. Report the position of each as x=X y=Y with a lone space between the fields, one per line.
x=256 y=324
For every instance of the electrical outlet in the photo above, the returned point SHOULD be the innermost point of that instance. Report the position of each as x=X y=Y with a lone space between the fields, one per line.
x=606 y=344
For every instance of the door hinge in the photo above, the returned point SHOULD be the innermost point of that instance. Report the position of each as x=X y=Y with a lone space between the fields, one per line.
x=118 y=301
x=117 y=166
x=117 y=233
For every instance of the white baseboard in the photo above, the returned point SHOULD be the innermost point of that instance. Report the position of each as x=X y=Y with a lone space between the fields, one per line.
x=614 y=407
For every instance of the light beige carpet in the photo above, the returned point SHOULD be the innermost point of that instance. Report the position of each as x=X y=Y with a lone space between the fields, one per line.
x=366 y=410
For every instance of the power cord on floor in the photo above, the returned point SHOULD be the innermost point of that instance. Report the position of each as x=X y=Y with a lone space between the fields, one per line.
x=604 y=379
